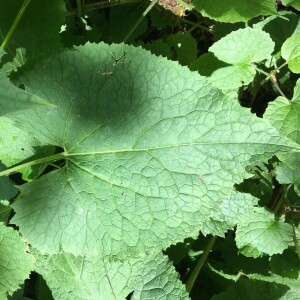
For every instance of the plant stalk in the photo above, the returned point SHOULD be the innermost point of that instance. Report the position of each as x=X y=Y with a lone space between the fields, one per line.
x=50 y=158
x=296 y=242
x=79 y=8
x=200 y=263
x=15 y=24
x=275 y=84
x=144 y=14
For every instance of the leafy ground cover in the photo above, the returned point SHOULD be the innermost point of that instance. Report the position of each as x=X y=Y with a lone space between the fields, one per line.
x=149 y=150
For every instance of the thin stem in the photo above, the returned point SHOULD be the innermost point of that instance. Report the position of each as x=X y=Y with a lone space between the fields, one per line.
x=196 y=25
x=278 y=68
x=296 y=242
x=15 y=24
x=150 y=6
x=193 y=276
x=79 y=8
x=33 y=162
x=275 y=84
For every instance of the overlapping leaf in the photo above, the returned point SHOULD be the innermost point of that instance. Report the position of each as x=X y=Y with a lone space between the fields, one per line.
x=15 y=263
x=239 y=50
x=290 y=51
x=232 y=11
x=151 y=150
x=149 y=277
x=260 y=234
x=284 y=115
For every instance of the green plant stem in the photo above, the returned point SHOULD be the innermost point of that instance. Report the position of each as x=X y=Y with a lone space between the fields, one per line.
x=275 y=84
x=79 y=8
x=278 y=68
x=144 y=14
x=196 y=25
x=50 y=158
x=296 y=242
x=193 y=276
x=15 y=24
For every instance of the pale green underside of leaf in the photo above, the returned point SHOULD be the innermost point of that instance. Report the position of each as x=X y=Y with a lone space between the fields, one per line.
x=39 y=27
x=15 y=263
x=290 y=51
x=260 y=234
x=89 y=278
x=285 y=116
x=240 y=49
x=152 y=151
x=13 y=99
x=232 y=11
x=243 y=46
x=232 y=77
x=294 y=3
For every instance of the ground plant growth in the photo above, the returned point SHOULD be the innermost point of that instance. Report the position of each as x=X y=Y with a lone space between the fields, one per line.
x=150 y=149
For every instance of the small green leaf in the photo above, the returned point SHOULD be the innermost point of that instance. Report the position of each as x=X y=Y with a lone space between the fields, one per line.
x=284 y=115
x=232 y=11
x=290 y=51
x=232 y=77
x=150 y=277
x=18 y=61
x=289 y=170
x=280 y=27
x=243 y=46
x=15 y=263
x=260 y=234
x=240 y=49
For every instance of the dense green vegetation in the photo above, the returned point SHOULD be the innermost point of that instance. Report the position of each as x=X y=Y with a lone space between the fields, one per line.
x=149 y=150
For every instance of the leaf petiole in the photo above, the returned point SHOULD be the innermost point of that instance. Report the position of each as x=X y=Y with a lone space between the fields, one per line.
x=50 y=158
x=200 y=263
x=15 y=24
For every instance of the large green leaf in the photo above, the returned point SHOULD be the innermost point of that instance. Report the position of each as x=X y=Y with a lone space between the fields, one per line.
x=232 y=11
x=39 y=27
x=149 y=277
x=151 y=150
x=15 y=263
